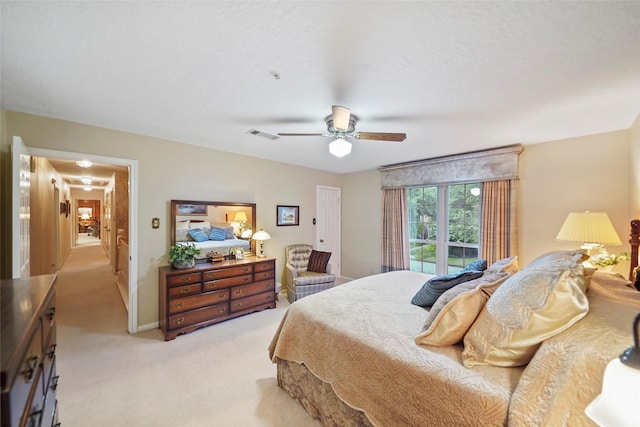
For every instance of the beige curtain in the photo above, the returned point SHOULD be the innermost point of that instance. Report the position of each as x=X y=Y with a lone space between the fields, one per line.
x=395 y=230
x=498 y=223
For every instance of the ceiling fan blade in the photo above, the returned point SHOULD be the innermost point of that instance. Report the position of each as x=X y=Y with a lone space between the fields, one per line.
x=341 y=116
x=301 y=134
x=379 y=136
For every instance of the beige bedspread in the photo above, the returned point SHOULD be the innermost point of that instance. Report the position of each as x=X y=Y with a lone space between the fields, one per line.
x=359 y=337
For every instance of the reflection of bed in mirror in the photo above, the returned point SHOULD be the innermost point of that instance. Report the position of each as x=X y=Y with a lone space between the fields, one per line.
x=226 y=226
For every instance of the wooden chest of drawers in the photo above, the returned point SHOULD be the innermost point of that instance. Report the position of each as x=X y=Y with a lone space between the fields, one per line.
x=28 y=351
x=214 y=292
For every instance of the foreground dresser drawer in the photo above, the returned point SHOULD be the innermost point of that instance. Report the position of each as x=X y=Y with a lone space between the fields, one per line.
x=227 y=272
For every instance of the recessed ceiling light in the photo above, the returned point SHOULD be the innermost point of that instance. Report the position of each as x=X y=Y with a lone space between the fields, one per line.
x=86 y=180
x=87 y=188
x=84 y=163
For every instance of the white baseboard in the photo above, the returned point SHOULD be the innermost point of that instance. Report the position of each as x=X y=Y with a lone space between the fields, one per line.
x=148 y=326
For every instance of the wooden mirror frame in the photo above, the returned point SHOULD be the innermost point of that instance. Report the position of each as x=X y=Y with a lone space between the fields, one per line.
x=197 y=203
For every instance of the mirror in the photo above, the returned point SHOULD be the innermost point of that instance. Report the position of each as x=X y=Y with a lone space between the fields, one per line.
x=238 y=219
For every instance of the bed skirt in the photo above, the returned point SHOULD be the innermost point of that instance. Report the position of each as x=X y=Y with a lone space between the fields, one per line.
x=317 y=397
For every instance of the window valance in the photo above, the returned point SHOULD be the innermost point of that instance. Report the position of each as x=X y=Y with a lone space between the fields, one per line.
x=486 y=165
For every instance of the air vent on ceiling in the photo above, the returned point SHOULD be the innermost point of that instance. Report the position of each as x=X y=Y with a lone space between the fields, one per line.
x=262 y=134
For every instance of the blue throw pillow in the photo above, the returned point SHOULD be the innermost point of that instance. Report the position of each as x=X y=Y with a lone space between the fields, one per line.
x=217 y=234
x=438 y=285
x=198 y=235
x=477 y=265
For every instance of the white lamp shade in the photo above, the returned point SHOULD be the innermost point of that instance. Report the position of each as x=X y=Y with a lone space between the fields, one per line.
x=589 y=227
x=340 y=147
x=246 y=234
x=261 y=235
x=617 y=405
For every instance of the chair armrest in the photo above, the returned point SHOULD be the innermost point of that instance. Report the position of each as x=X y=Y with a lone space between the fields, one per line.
x=292 y=270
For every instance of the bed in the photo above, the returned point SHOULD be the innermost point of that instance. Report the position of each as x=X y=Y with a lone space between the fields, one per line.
x=356 y=354
x=224 y=245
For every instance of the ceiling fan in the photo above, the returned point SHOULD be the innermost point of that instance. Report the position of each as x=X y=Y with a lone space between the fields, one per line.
x=341 y=124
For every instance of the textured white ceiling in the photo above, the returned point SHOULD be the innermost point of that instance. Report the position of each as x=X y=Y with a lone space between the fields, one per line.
x=455 y=76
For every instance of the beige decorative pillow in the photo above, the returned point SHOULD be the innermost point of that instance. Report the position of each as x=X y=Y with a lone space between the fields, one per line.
x=508 y=265
x=455 y=311
x=534 y=304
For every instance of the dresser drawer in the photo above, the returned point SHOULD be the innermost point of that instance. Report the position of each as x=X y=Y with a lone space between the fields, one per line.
x=263 y=275
x=244 y=303
x=263 y=266
x=229 y=281
x=49 y=359
x=178 y=305
x=50 y=399
x=48 y=320
x=184 y=279
x=197 y=316
x=183 y=291
x=226 y=272
x=252 y=289
x=27 y=378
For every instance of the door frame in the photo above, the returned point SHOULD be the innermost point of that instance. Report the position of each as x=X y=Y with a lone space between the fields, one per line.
x=132 y=322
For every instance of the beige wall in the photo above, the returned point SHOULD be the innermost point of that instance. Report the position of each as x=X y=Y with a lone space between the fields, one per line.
x=361 y=224
x=585 y=173
x=168 y=170
x=558 y=177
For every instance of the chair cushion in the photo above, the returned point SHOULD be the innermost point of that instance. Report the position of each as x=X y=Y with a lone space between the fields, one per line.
x=312 y=278
x=318 y=261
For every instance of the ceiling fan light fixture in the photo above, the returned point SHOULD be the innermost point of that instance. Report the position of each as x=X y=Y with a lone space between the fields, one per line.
x=340 y=147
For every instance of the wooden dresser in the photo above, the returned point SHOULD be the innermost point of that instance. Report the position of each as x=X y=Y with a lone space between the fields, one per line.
x=28 y=352
x=214 y=292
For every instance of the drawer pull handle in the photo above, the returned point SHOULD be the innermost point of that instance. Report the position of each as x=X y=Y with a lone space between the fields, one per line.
x=32 y=364
x=269 y=296
x=210 y=286
x=238 y=292
x=54 y=382
x=178 y=305
x=246 y=270
x=179 y=320
x=222 y=296
x=52 y=351
x=184 y=290
x=222 y=310
x=246 y=279
x=268 y=285
x=238 y=305
x=185 y=278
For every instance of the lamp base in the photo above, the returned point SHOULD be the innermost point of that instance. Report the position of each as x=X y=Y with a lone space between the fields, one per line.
x=261 y=256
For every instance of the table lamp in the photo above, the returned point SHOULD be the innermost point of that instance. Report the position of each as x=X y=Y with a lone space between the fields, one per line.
x=617 y=405
x=260 y=237
x=592 y=229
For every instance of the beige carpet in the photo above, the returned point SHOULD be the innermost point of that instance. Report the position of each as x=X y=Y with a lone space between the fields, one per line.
x=217 y=376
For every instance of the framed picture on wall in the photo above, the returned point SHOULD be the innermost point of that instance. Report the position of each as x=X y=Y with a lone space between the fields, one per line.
x=191 y=209
x=288 y=215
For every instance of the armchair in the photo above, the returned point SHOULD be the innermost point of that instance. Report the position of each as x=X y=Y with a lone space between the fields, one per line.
x=299 y=281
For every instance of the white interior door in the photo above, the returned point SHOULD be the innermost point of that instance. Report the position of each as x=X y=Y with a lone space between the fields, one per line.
x=328 y=220
x=20 y=208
